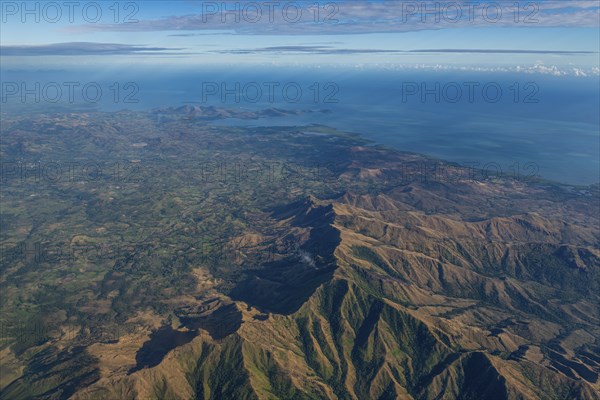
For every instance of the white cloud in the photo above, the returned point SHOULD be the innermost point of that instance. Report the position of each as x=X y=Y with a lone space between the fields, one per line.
x=358 y=16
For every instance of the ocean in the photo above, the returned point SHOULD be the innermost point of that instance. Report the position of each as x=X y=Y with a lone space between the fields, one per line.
x=544 y=125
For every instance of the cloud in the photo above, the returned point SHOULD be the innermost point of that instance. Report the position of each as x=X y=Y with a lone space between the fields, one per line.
x=93 y=48
x=302 y=49
x=537 y=69
x=83 y=49
x=360 y=16
x=307 y=258
x=504 y=51
x=325 y=50
x=204 y=33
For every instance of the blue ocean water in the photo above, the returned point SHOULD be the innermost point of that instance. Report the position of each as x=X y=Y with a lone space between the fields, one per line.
x=512 y=120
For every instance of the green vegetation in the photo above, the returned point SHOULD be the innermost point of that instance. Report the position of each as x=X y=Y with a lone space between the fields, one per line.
x=155 y=255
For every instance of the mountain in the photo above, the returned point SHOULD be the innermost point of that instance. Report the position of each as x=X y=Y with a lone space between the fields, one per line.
x=371 y=283
x=397 y=303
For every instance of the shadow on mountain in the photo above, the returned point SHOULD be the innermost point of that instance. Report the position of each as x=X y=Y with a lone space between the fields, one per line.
x=218 y=320
x=282 y=286
x=161 y=342
x=221 y=323
x=54 y=374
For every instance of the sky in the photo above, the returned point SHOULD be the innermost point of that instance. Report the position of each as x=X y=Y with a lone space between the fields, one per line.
x=547 y=36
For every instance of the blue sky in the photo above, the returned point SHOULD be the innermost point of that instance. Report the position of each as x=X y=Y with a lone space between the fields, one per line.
x=542 y=34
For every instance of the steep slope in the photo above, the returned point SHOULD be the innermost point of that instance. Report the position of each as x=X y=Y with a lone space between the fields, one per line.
x=412 y=306
x=225 y=268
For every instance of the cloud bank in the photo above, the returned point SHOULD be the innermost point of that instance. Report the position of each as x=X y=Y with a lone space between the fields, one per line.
x=83 y=49
x=360 y=17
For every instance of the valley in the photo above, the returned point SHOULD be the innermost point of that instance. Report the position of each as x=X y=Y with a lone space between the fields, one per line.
x=283 y=262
